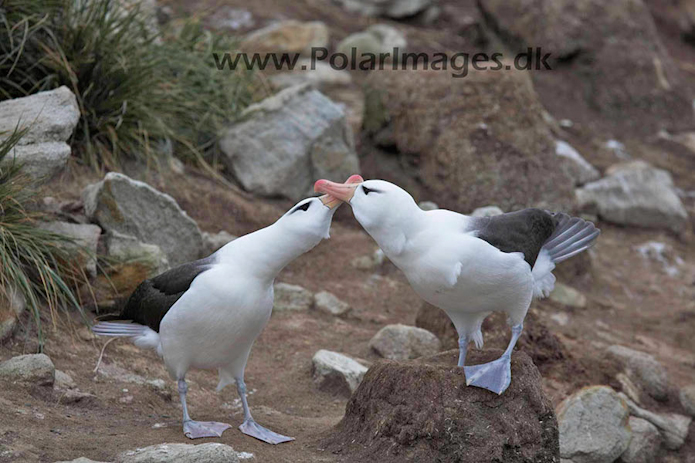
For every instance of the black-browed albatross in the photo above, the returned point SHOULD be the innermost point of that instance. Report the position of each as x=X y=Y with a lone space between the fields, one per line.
x=467 y=266
x=208 y=313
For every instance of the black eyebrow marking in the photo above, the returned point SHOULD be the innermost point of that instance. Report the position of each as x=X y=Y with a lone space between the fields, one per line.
x=303 y=207
x=369 y=190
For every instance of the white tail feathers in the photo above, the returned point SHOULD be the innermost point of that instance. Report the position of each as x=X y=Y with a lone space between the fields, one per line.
x=572 y=235
x=142 y=336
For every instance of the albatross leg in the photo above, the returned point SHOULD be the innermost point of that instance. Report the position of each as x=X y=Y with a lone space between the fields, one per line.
x=250 y=427
x=196 y=429
x=463 y=349
x=495 y=376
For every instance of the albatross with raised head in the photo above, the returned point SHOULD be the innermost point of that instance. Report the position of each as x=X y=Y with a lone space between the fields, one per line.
x=467 y=266
x=208 y=313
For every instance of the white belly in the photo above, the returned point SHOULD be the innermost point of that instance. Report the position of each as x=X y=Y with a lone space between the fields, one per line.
x=214 y=324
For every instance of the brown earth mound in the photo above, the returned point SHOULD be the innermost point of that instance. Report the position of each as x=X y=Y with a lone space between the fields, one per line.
x=423 y=411
x=469 y=142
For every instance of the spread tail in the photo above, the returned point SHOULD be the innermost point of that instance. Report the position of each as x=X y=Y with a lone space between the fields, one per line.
x=572 y=235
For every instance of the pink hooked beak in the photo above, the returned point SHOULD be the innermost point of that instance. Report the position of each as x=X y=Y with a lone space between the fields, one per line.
x=331 y=200
x=341 y=191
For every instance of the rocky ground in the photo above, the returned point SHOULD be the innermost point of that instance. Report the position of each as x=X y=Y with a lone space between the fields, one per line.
x=613 y=344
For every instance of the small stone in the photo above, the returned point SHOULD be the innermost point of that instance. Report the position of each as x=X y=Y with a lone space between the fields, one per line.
x=663 y=254
x=393 y=9
x=337 y=372
x=645 y=442
x=80 y=460
x=180 y=453
x=628 y=387
x=287 y=37
x=566 y=295
x=593 y=426
x=328 y=303
x=428 y=206
x=402 y=342
x=687 y=398
x=643 y=369
x=30 y=369
x=377 y=39
x=672 y=426
x=318 y=74
x=487 y=211
x=292 y=297
x=126 y=400
x=575 y=165
x=63 y=381
x=369 y=262
x=212 y=242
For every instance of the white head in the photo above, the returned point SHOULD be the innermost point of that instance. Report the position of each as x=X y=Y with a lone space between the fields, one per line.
x=309 y=221
x=386 y=211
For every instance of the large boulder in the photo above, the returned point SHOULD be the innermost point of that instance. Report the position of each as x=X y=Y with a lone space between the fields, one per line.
x=391 y=8
x=121 y=205
x=643 y=369
x=180 y=453
x=687 y=399
x=402 y=342
x=50 y=117
x=476 y=140
x=30 y=369
x=423 y=411
x=593 y=426
x=610 y=53
x=635 y=193
x=287 y=141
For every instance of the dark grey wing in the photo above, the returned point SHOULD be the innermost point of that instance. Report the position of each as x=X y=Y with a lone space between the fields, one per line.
x=153 y=298
x=522 y=231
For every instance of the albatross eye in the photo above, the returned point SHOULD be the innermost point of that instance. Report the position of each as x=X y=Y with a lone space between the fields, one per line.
x=303 y=207
x=368 y=190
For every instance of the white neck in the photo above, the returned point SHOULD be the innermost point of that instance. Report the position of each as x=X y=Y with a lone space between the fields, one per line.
x=394 y=236
x=264 y=253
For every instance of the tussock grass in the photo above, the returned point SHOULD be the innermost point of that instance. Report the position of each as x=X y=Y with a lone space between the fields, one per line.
x=141 y=94
x=35 y=262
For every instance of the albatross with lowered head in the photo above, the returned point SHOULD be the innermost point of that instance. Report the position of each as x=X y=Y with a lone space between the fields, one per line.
x=467 y=266
x=208 y=313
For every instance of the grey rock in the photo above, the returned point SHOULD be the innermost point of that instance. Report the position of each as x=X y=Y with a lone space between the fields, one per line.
x=593 y=426
x=180 y=453
x=122 y=205
x=566 y=295
x=322 y=76
x=232 y=19
x=643 y=369
x=576 y=166
x=635 y=194
x=391 y=8
x=29 y=369
x=212 y=242
x=376 y=39
x=428 y=206
x=672 y=426
x=330 y=304
x=127 y=248
x=85 y=235
x=51 y=117
x=645 y=443
x=687 y=398
x=288 y=37
x=402 y=342
x=337 y=372
x=287 y=141
x=80 y=460
x=487 y=211
x=63 y=381
x=117 y=373
x=292 y=297
x=628 y=387
x=12 y=305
